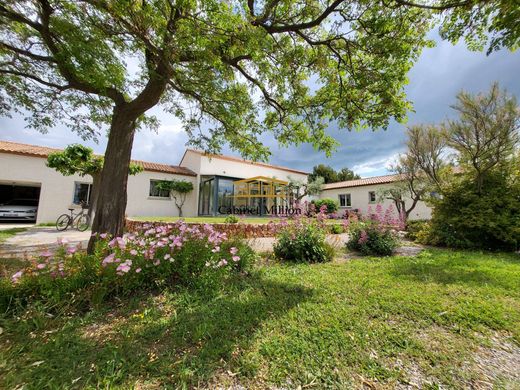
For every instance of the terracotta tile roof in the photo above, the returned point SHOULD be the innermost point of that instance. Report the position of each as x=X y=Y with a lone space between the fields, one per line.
x=230 y=158
x=362 y=182
x=42 y=151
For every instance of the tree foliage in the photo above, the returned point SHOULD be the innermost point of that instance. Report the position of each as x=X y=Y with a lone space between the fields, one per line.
x=486 y=132
x=329 y=175
x=478 y=182
x=178 y=189
x=301 y=188
x=77 y=159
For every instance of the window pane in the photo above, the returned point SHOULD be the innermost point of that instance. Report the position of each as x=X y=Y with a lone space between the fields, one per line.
x=154 y=191
x=225 y=193
x=81 y=193
x=348 y=202
x=342 y=200
x=372 y=196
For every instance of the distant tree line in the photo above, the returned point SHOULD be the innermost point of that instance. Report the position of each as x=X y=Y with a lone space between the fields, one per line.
x=330 y=175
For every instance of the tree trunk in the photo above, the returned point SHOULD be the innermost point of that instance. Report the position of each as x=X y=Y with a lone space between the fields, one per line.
x=111 y=198
x=94 y=194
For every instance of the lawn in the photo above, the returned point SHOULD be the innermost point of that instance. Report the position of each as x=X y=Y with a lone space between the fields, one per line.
x=443 y=319
x=6 y=233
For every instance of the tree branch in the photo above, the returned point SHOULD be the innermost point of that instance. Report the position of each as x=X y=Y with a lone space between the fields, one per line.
x=35 y=78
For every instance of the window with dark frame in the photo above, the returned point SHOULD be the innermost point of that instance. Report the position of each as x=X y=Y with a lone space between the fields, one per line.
x=82 y=193
x=345 y=200
x=371 y=196
x=156 y=192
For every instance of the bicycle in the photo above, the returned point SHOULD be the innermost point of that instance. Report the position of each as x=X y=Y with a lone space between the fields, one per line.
x=81 y=219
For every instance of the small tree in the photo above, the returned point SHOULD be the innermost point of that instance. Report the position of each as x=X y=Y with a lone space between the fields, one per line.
x=81 y=160
x=178 y=189
x=302 y=189
x=412 y=184
x=486 y=132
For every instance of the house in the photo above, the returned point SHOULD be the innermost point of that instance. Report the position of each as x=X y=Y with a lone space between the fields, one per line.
x=222 y=185
x=361 y=194
x=24 y=175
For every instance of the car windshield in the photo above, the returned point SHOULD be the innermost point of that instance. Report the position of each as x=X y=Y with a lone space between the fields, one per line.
x=22 y=202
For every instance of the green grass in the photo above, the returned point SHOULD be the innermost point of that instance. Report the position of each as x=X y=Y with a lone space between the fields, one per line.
x=5 y=234
x=362 y=322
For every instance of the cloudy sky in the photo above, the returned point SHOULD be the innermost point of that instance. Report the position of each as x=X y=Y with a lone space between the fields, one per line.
x=434 y=81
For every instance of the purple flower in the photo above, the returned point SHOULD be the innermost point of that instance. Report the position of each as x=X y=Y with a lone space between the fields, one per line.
x=233 y=250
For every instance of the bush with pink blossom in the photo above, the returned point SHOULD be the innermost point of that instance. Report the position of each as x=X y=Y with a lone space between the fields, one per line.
x=376 y=233
x=303 y=240
x=161 y=256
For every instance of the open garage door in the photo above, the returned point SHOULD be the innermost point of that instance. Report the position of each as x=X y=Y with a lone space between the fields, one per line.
x=19 y=202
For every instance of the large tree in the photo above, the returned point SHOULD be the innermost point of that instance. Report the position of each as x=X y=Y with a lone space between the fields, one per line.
x=230 y=70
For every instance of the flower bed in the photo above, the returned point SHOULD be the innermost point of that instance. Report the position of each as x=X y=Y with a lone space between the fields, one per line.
x=153 y=256
x=242 y=230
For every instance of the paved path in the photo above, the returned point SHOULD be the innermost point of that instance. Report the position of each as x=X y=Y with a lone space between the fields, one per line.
x=8 y=225
x=37 y=239
x=265 y=244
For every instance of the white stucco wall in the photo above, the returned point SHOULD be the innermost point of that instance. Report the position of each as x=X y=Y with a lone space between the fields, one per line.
x=359 y=196
x=205 y=165
x=140 y=204
x=57 y=191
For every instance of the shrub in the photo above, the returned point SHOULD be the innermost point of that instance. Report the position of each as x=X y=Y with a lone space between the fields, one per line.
x=163 y=256
x=414 y=227
x=303 y=241
x=332 y=205
x=464 y=218
x=372 y=238
x=231 y=219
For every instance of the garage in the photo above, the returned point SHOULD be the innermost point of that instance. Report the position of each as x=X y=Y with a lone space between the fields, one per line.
x=18 y=202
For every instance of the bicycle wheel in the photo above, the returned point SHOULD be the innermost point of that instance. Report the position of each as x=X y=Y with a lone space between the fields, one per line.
x=83 y=222
x=63 y=222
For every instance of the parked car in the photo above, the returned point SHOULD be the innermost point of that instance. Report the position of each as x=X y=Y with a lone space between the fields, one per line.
x=19 y=210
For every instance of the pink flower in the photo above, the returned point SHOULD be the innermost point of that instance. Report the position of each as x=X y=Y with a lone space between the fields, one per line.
x=157 y=262
x=103 y=235
x=137 y=270
x=167 y=256
x=71 y=250
x=233 y=251
x=236 y=258
x=123 y=268
x=41 y=266
x=16 y=276
x=363 y=237
x=216 y=249
x=133 y=252
x=46 y=254
x=222 y=263
x=108 y=259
